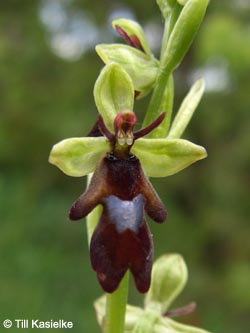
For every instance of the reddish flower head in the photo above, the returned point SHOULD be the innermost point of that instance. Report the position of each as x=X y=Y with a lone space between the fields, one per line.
x=122 y=239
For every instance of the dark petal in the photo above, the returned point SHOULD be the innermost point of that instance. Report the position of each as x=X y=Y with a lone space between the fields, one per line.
x=113 y=252
x=183 y=311
x=135 y=42
x=131 y=40
x=92 y=196
x=82 y=206
x=142 y=258
x=104 y=130
x=153 y=204
x=109 y=264
x=146 y=130
x=95 y=130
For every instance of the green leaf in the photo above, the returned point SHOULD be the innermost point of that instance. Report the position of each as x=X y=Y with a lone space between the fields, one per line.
x=113 y=92
x=141 y=67
x=187 y=109
x=132 y=28
x=78 y=157
x=169 y=277
x=165 y=157
x=183 y=33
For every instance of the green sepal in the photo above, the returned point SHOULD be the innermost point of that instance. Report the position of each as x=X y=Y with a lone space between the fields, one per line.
x=77 y=157
x=183 y=33
x=177 y=327
x=165 y=157
x=141 y=67
x=169 y=277
x=186 y=110
x=133 y=28
x=113 y=92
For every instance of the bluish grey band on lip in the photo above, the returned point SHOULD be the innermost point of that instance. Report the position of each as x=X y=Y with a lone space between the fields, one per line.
x=125 y=214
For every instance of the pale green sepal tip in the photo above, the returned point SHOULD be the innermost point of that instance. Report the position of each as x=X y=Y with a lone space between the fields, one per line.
x=141 y=67
x=181 y=328
x=133 y=28
x=186 y=110
x=169 y=276
x=165 y=157
x=113 y=92
x=77 y=157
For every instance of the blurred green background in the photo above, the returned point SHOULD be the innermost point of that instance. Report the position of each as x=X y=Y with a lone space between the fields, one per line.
x=48 y=67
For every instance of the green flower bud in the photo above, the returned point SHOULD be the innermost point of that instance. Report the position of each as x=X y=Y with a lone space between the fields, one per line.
x=141 y=67
x=133 y=34
x=183 y=33
x=169 y=277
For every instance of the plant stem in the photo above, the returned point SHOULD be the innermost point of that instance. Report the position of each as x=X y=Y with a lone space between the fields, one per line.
x=163 y=93
x=168 y=27
x=116 y=308
x=157 y=99
x=92 y=220
x=93 y=217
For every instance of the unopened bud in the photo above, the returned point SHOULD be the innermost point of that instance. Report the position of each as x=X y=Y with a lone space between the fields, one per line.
x=169 y=277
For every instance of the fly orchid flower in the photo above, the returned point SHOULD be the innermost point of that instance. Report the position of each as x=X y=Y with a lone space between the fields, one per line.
x=122 y=239
x=121 y=160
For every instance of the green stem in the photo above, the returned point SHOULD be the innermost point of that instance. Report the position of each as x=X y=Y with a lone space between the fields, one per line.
x=163 y=94
x=157 y=99
x=117 y=301
x=93 y=217
x=168 y=27
x=116 y=308
x=92 y=220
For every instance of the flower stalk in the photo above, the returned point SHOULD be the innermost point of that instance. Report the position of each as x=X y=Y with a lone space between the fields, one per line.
x=116 y=308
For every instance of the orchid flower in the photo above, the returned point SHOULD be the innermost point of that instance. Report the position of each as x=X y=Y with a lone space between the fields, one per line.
x=122 y=160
